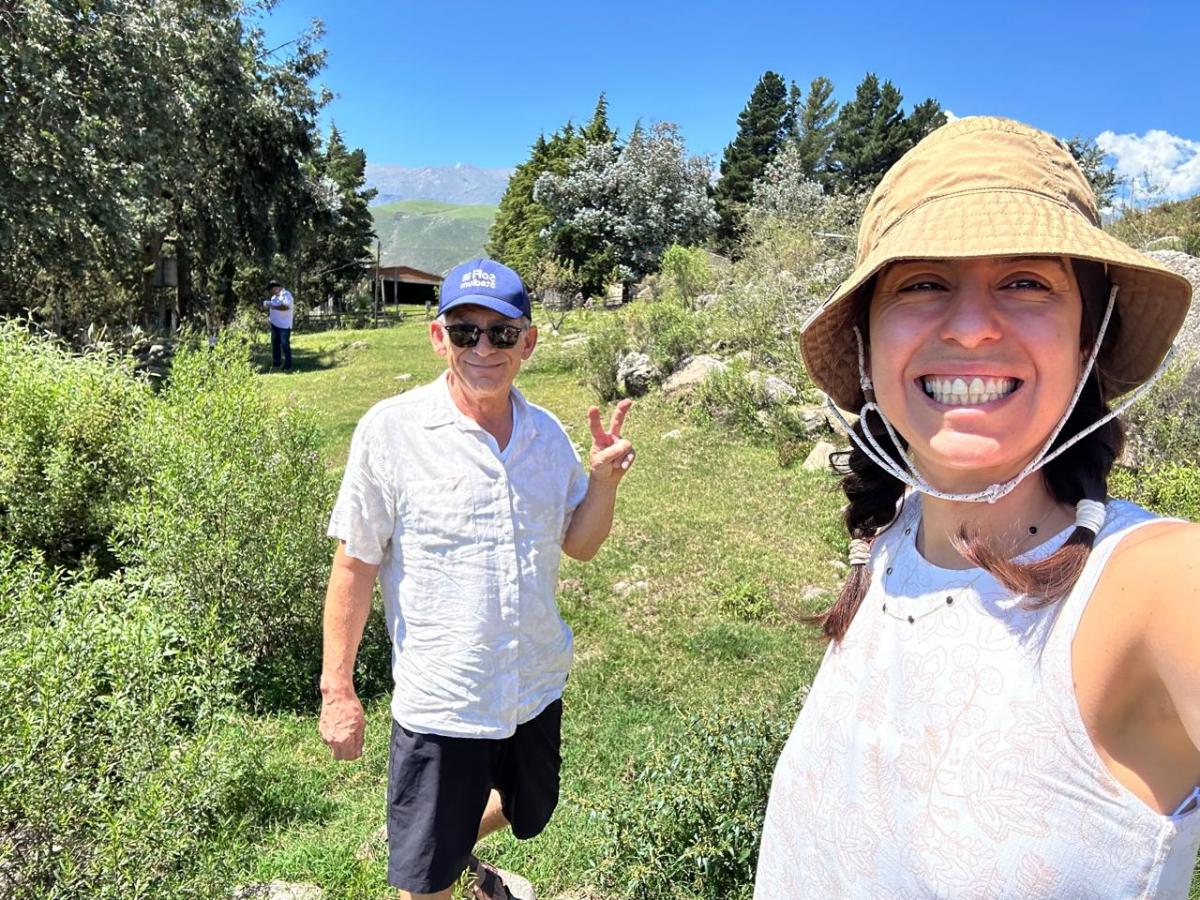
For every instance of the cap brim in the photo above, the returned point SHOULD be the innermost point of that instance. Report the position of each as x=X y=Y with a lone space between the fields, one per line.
x=492 y=303
x=1153 y=301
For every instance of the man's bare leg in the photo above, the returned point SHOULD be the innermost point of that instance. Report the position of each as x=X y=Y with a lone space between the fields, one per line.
x=493 y=817
x=493 y=820
x=440 y=895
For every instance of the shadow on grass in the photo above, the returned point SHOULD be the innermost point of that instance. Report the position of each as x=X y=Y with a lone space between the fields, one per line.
x=303 y=360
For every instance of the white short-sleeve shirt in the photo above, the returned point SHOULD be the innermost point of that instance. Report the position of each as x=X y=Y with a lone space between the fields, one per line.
x=279 y=317
x=468 y=539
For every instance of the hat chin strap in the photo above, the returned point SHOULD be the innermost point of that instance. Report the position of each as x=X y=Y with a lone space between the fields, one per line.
x=913 y=478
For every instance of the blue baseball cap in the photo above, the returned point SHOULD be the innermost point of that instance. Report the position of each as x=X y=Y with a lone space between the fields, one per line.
x=486 y=283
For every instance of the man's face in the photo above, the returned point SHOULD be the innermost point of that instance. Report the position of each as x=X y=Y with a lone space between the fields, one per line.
x=275 y=290
x=482 y=371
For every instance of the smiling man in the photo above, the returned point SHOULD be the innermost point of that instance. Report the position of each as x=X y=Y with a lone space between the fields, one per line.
x=460 y=496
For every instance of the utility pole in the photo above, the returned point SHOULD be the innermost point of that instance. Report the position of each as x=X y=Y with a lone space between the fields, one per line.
x=378 y=280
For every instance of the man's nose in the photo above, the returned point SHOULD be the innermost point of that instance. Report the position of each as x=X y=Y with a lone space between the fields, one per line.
x=483 y=346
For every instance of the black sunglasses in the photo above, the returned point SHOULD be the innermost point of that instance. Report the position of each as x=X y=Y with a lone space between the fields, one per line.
x=502 y=337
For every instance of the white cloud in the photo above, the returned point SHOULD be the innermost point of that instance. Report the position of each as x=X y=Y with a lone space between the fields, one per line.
x=950 y=116
x=1163 y=162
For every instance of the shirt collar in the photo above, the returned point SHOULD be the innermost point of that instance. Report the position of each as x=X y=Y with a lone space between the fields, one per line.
x=444 y=412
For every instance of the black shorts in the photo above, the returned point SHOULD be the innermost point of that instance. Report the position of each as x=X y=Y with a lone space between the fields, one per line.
x=438 y=788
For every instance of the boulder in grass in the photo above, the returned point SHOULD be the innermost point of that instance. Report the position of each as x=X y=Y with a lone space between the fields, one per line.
x=773 y=390
x=691 y=375
x=818 y=458
x=636 y=374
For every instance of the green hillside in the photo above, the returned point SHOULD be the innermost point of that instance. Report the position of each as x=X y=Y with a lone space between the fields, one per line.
x=430 y=235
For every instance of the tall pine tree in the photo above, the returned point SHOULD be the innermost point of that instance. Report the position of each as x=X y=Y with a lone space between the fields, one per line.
x=872 y=133
x=815 y=128
x=336 y=254
x=762 y=129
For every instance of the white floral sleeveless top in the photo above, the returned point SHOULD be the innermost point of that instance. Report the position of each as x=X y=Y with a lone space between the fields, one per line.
x=946 y=757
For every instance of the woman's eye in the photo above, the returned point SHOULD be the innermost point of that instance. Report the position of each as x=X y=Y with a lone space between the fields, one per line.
x=1027 y=284
x=922 y=286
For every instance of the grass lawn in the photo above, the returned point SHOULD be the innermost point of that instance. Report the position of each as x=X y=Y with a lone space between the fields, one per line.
x=719 y=542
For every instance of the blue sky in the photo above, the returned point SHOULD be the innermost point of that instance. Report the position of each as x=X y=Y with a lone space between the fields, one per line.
x=435 y=83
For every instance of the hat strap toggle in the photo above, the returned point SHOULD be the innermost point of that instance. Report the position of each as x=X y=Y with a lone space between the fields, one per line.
x=913 y=478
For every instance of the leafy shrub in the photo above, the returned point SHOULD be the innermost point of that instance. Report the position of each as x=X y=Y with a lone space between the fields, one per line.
x=728 y=397
x=667 y=332
x=1172 y=489
x=690 y=821
x=230 y=512
x=1164 y=424
x=1164 y=439
x=65 y=425
x=686 y=273
x=607 y=342
x=119 y=763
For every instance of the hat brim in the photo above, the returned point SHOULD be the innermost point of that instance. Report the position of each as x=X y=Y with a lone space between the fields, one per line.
x=492 y=303
x=1152 y=300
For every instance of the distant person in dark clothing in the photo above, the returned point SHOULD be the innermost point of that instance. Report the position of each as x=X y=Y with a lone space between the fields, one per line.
x=279 y=309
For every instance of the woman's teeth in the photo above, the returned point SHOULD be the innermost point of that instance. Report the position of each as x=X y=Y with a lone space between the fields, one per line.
x=963 y=391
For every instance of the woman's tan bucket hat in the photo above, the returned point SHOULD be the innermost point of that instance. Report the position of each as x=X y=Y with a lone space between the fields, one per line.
x=985 y=186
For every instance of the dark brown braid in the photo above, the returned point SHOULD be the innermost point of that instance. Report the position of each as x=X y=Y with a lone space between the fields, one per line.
x=1080 y=472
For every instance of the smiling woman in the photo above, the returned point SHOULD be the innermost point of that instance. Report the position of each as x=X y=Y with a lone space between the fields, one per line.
x=1010 y=705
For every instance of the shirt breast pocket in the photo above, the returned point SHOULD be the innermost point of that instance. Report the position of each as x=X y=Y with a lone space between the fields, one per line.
x=441 y=515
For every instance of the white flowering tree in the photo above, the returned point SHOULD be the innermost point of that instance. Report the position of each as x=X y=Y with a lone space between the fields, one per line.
x=617 y=210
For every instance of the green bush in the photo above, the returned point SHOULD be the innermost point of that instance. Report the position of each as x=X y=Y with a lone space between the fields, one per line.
x=1171 y=489
x=65 y=424
x=117 y=760
x=667 y=332
x=690 y=820
x=686 y=273
x=729 y=397
x=230 y=511
x=1164 y=424
x=607 y=342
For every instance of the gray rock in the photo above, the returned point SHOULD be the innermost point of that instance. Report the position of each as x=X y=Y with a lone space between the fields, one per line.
x=706 y=300
x=278 y=890
x=778 y=391
x=519 y=887
x=771 y=389
x=818 y=457
x=812 y=418
x=636 y=374
x=404 y=376
x=691 y=375
x=673 y=435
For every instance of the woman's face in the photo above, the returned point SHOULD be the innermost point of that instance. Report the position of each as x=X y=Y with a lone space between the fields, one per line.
x=975 y=360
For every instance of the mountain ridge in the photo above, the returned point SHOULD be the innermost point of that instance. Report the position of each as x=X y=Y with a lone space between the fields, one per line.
x=460 y=184
x=431 y=235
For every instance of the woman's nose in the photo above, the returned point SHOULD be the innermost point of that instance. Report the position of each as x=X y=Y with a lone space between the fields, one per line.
x=971 y=316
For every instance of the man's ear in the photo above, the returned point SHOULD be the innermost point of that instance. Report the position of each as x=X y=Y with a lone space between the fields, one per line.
x=438 y=338
x=531 y=339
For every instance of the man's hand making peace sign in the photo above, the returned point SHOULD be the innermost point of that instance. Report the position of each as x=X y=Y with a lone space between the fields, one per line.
x=611 y=455
x=609 y=460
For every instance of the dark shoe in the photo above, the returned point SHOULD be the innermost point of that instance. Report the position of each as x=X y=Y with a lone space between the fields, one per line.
x=486 y=883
